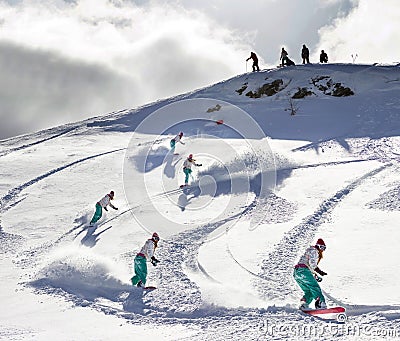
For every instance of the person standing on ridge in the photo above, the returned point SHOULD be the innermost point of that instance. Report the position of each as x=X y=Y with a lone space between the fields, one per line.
x=103 y=203
x=146 y=254
x=187 y=167
x=255 y=61
x=306 y=275
x=305 y=54
x=323 y=57
x=284 y=56
x=175 y=140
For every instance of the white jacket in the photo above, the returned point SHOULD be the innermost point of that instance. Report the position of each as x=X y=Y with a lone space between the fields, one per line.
x=189 y=164
x=310 y=258
x=105 y=201
x=148 y=249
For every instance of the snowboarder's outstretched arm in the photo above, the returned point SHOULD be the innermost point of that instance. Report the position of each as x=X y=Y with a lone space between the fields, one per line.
x=112 y=206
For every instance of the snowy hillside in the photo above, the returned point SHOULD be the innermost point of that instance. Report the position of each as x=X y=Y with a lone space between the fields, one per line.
x=278 y=174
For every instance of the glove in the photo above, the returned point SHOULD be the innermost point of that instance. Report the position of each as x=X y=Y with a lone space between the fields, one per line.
x=106 y=209
x=154 y=261
x=199 y=165
x=320 y=272
x=317 y=278
x=116 y=208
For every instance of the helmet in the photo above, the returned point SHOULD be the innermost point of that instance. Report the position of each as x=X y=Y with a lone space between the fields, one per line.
x=112 y=194
x=155 y=237
x=320 y=244
x=190 y=156
x=181 y=133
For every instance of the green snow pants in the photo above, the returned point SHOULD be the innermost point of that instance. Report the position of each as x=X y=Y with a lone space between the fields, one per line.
x=172 y=144
x=140 y=267
x=97 y=214
x=305 y=279
x=187 y=172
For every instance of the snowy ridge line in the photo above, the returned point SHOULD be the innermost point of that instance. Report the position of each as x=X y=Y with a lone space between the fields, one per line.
x=278 y=266
x=11 y=150
x=6 y=201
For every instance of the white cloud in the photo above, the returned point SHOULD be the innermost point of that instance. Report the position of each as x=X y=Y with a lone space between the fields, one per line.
x=371 y=30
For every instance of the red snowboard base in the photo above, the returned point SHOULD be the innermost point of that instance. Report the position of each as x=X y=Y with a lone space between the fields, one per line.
x=335 y=312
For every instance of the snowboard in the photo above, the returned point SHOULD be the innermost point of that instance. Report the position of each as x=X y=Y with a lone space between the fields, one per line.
x=335 y=312
x=149 y=288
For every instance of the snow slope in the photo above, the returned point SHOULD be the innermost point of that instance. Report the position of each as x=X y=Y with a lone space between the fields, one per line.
x=270 y=184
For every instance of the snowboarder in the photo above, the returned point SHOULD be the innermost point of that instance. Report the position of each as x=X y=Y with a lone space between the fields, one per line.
x=305 y=54
x=146 y=254
x=187 y=167
x=284 y=56
x=175 y=140
x=323 y=57
x=255 y=61
x=103 y=203
x=306 y=275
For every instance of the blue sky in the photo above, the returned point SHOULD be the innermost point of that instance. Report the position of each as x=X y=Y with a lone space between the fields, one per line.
x=63 y=61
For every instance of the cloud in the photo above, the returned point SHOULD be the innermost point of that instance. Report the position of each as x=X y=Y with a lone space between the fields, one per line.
x=40 y=89
x=67 y=60
x=267 y=25
x=371 y=31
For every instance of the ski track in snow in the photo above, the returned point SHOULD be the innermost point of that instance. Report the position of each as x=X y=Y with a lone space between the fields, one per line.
x=24 y=146
x=7 y=201
x=178 y=300
x=10 y=241
x=278 y=266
